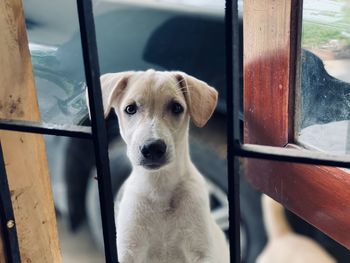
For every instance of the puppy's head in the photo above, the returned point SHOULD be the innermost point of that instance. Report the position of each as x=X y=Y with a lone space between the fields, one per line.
x=153 y=109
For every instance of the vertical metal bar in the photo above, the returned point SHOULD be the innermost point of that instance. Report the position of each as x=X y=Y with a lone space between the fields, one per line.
x=99 y=134
x=7 y=219
x=233 y=131
x=235 y=62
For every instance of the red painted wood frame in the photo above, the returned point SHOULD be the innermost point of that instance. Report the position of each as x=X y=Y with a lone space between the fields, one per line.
x=318 y=194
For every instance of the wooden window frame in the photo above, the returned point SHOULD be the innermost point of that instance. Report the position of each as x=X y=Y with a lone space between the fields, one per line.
x=316 y=193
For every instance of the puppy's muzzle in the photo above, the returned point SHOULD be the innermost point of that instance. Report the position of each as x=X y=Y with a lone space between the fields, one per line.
x=154 y=154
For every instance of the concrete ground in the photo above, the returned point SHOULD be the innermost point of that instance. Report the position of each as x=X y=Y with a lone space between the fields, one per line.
x=78 y=246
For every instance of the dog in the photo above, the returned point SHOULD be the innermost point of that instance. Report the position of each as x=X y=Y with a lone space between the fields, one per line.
x=284 y=245
x=164 y=215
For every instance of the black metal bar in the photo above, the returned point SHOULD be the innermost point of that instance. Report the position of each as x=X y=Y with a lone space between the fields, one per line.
x=46 y=128
x=232 y=104
x=99 y=134
x=245 y=150
x=291 y=155
x=236 y=66
x=7 y=219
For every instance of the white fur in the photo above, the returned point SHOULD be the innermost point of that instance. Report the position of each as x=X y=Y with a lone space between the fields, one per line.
x=164 y=214
x=284 y=245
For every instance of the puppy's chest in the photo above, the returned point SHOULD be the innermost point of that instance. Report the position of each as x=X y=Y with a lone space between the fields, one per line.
x=173 y=235
x=171 y=221
x=175 y=230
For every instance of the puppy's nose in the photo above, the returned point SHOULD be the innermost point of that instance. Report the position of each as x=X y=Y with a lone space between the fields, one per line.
x=154 y=150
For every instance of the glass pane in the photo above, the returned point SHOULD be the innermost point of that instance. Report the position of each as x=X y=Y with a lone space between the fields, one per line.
x=54 y=44
x=131 y=35
x=325 y=77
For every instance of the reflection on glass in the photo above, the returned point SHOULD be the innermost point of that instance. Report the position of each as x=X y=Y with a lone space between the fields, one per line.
x=131 y=35
x=324 y=119
x=61 y=98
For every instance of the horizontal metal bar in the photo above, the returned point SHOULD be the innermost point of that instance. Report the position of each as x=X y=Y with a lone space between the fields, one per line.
x=291 y=155
x=46 y=128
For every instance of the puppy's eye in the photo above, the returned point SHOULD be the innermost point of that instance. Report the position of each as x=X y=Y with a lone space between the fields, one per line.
x=176 y=108
x=131 y=109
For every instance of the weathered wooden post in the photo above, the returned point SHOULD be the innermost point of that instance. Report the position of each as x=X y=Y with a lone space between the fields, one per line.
x=24 y=154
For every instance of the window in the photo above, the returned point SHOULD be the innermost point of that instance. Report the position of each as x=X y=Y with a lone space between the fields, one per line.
x=325 y=87
x=318 y=194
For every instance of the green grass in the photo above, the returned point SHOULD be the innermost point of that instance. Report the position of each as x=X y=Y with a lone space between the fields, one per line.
x=346 y=11
x=316 y=35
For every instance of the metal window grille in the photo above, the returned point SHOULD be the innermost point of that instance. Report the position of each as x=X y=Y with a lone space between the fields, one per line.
x=97 y=133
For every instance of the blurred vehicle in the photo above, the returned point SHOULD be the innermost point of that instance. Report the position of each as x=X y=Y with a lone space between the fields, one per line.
x=134 y=35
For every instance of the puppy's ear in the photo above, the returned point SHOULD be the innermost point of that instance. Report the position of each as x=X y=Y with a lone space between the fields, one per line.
x=112 y=86
x=201 y=99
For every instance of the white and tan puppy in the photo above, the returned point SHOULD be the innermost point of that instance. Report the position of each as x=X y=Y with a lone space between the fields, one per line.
x=164 y=215
x=284 y=245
